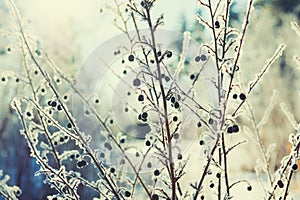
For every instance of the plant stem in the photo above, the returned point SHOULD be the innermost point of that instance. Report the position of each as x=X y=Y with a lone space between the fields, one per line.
x=165 y=107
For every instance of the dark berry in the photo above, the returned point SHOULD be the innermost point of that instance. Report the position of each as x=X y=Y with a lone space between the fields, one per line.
x=229 y=129
x=144 y=115
x=179 y=156
x=69 y=125
x=136 y=82
x=144 y=119
x=249 y=188
x=38 y=52
x=234 y=96
x=199 y=124
x=176 y=105
x=192 y=76
x=175 y=118
x=154 y=197
x=156 y=172
x=201 y=142
x=3 y=79
x=210 y=121
x=141 y=97
x=295 y=166
x=202 y=197
x=167 y=78
x=112 y=170
x=203 y=57
x=176 y=136
x=218 y=175
x=148 y=143
x=197 y=59
x=235 y=128
x=149 y=164
x=59 y=108
x=280 y=184
x=169 y=54
x=212 y=185
x=217 y=24
x=81 y=163
x=108 y=146
x=102 y=155
x=173 y=99
x=53 y=104
x=131 y=58
x=159 y=53
x=122 y=140
x=127 y=194
x=122 y=162
x=242 y=96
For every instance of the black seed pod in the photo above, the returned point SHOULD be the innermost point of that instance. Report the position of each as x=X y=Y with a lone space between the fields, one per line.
x=81 y=163
x=280 y=184
x=229 y=129
x=127 y=194
x=242 y=96
x=131 y=58
x=249 y=188
x=235 y=128
x=295 y=167
x=169 y=54
x=141 y=97
x=136 y=82
x=154 y=197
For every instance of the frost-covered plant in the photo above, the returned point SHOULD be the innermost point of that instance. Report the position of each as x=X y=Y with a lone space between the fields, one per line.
x=157 y=88
x=7 y=191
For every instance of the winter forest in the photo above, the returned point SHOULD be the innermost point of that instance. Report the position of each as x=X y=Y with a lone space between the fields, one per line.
x=150 y=99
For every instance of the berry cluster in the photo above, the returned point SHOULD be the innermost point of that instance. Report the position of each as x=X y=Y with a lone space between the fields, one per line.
x=242 y=96
x=233 y=129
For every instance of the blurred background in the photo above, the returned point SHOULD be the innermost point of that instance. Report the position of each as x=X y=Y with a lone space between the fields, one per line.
x=68 y=30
